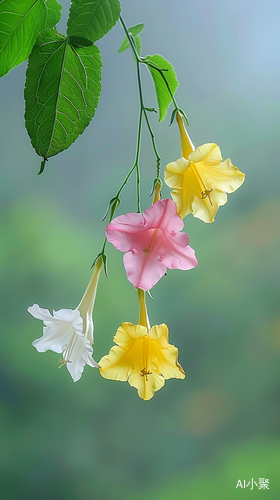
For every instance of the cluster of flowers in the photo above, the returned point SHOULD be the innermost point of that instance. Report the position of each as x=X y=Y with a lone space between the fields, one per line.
x=151 y=243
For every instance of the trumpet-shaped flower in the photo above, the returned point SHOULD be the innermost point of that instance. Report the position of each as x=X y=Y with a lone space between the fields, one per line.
x=200 y=179
x=142 y=356
x=152 y=242
x=70 y=331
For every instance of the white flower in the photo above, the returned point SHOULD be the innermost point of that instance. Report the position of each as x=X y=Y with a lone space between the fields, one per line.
x=70 y=331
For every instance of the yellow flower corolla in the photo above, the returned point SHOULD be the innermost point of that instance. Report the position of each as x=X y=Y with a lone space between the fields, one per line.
x=142 y=356
x=200 y=179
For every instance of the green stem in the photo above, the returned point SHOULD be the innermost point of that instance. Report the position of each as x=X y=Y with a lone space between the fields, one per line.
x=141 y=60
x=104 y=245
x=158 y=158
x=136 y=163
x=143 y=108
x=125 y=180
x=129 y=39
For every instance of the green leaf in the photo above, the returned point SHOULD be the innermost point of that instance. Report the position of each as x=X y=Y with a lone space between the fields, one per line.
x=62 y=90
x=79 y=41
x=138 y=44
x=20 y=23
x=134 y=30
x=104 y=259
x=124 y=45
x=164 y=76
x=92 y=19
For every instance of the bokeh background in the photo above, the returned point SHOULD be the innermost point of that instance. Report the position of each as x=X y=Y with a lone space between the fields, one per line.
x=196 y=438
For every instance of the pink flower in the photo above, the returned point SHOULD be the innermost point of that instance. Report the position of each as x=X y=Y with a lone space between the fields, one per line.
x=151 y=242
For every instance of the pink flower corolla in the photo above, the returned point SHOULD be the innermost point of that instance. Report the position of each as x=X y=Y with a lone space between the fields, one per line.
x=151 y=242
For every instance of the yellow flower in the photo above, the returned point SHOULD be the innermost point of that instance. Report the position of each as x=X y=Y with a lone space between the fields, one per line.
x=200 y=179
x=142 y=356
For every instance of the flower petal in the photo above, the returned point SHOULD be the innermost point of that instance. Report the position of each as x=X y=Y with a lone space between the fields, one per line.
x=223 y=176
x=163 y=215
x=77 y=355
x=173 y=175
x=122 y=358
x=178 y=175
x=120 y=232
x=70 y=316
x=145 y=267
x=166 y=354
x=127 y=333
x=59 y=328
x=146 y=386
x=123 y=231
x=180 y=255
x=143 y=270
x=56 y=337
x=208 y=153
x=204 y=209
x=39 y=313
x=112 y=367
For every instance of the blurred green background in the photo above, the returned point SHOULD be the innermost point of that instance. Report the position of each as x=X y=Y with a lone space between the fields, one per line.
x=196 y=438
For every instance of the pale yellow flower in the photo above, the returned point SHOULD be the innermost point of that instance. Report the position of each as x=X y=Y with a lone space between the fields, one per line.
x=142 y=356
x=200 y=179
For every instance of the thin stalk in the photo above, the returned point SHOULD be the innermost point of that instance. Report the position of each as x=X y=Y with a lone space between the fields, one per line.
x=143 y=108
x=129 y=39
x=134 y=166
x=136 y=163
